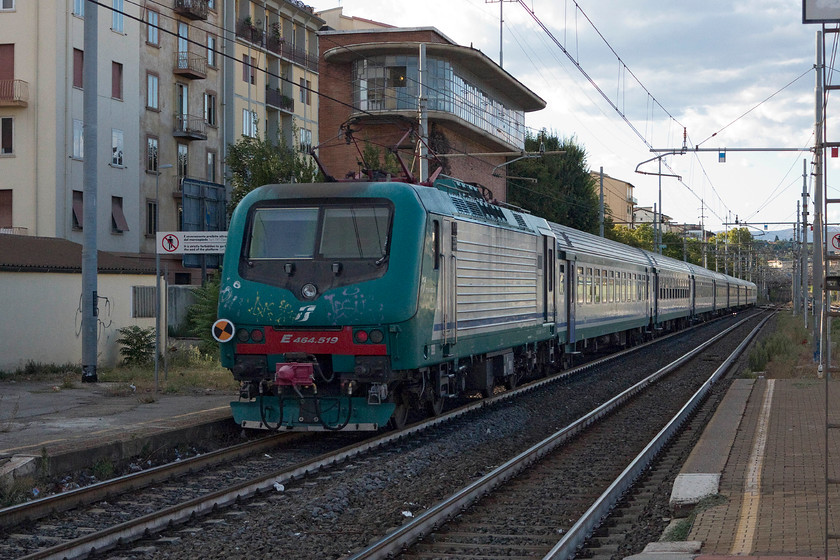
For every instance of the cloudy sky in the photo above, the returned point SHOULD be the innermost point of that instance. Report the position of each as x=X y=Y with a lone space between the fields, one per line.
x=734 y=74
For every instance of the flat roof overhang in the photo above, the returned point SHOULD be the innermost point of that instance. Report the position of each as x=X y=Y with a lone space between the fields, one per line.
x=491 y=74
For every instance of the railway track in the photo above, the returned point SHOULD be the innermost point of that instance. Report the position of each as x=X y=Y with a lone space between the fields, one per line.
x=295 y=479
x=540 y=503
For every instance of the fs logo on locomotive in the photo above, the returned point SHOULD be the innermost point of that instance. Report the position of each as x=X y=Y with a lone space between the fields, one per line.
x=304 y=312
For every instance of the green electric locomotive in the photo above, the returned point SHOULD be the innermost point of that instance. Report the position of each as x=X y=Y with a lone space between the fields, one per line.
x=344 y=306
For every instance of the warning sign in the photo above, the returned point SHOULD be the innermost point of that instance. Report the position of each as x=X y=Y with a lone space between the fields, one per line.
x=835 y=243
x=223 y=330
x=191 y=242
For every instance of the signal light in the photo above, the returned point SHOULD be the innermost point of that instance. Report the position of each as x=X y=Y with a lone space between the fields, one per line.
x=242 y=335
x=360 y=337
x=256 y=335
x=376 y=336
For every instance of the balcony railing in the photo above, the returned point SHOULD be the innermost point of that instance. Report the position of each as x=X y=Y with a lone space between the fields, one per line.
x=191 y=127
x=190 y=65
x=276 y=45
x=14 y=93
x=275 y=98
x=14 y=231
x=193 y=9
x=249 y=32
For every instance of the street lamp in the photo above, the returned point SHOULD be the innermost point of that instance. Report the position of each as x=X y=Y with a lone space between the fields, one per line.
x=157 y=272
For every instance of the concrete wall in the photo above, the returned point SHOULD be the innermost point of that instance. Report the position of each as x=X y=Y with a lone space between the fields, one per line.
x=42 y=317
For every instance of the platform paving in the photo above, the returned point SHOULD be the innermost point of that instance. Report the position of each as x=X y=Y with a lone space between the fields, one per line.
x=773 y=482
x=75 y=425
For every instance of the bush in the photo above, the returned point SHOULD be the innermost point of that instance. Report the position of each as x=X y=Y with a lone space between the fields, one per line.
x=204 y=312
x=138 y=345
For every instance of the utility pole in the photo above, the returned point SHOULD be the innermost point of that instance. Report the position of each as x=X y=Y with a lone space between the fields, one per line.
x=90 y=298
x=601 y=206
x=796 y=269
x=819 y=331
x=501 y=27
x=803 y=245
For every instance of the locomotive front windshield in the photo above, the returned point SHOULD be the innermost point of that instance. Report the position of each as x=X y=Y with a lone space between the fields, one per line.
x=329 y=244
x=339 y=232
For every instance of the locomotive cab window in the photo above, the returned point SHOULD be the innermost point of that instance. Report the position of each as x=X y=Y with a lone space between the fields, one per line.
x=330 y=244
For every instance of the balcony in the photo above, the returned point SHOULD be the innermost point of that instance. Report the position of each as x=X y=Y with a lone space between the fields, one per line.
x=192 y=9
x=275 y=98
x=250 y=32
x=190 y=66
x=14 y=93
x=190 y=127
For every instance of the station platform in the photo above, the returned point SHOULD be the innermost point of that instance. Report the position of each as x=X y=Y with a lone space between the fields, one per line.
x=56 y=428
x=754 y=486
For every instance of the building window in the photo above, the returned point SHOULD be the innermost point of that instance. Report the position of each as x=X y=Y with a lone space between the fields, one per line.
x=249 y=70
x=78 y=68
x=151 y=154
x=117 y=16
x=79 y=8
x=143 y=301
x=6 y=143
x=211 y=4
x=151 y=217
x=116 y=80
x=211 y=166
x=152 y=22
x=7 y=5
x=78 y=139
x=183 y=160
x=78 y=209
x=210 y=108
x=6 y=208
x=118 y=222
x=305 y=91
x=116 y=147
x=249 y=123
x=305 y=140
x=152 y=84
x=211 y=50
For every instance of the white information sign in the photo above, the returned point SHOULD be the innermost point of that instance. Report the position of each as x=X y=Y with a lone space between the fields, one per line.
x=191 y=242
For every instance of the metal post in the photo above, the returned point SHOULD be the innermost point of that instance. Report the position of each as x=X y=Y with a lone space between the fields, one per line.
x=157 y=272
x=89 y=247
x=819 y=330
x=423 y=114
x=659 y=222
x=601 y=206
x=803 y=245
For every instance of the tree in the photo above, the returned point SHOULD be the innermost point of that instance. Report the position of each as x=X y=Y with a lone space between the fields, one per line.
x=254 y=162
x=564 y=191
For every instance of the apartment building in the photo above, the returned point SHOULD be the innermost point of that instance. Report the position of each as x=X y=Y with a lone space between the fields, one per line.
x=618 y=198
x=273 y=72
x=178 y=81
x=41 y=121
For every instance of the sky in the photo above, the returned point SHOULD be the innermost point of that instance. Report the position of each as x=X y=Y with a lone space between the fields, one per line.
x=732 y=74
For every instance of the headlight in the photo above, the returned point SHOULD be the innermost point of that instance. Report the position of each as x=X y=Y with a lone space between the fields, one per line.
x=309 y=291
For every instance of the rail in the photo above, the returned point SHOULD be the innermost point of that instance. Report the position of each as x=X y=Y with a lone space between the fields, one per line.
x=436 y=516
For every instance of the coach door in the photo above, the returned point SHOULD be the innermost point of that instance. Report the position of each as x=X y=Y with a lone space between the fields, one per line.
x=571 y=295
x=550 y=280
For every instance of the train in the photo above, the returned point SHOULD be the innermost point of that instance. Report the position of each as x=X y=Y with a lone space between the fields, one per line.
x=352 y=305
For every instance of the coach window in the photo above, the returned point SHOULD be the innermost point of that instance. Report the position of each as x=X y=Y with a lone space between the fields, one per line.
x=561 y=280
x=611 y=287
x=604 y=286
x=588 y=285
x=596 y=286
x=580 y=286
